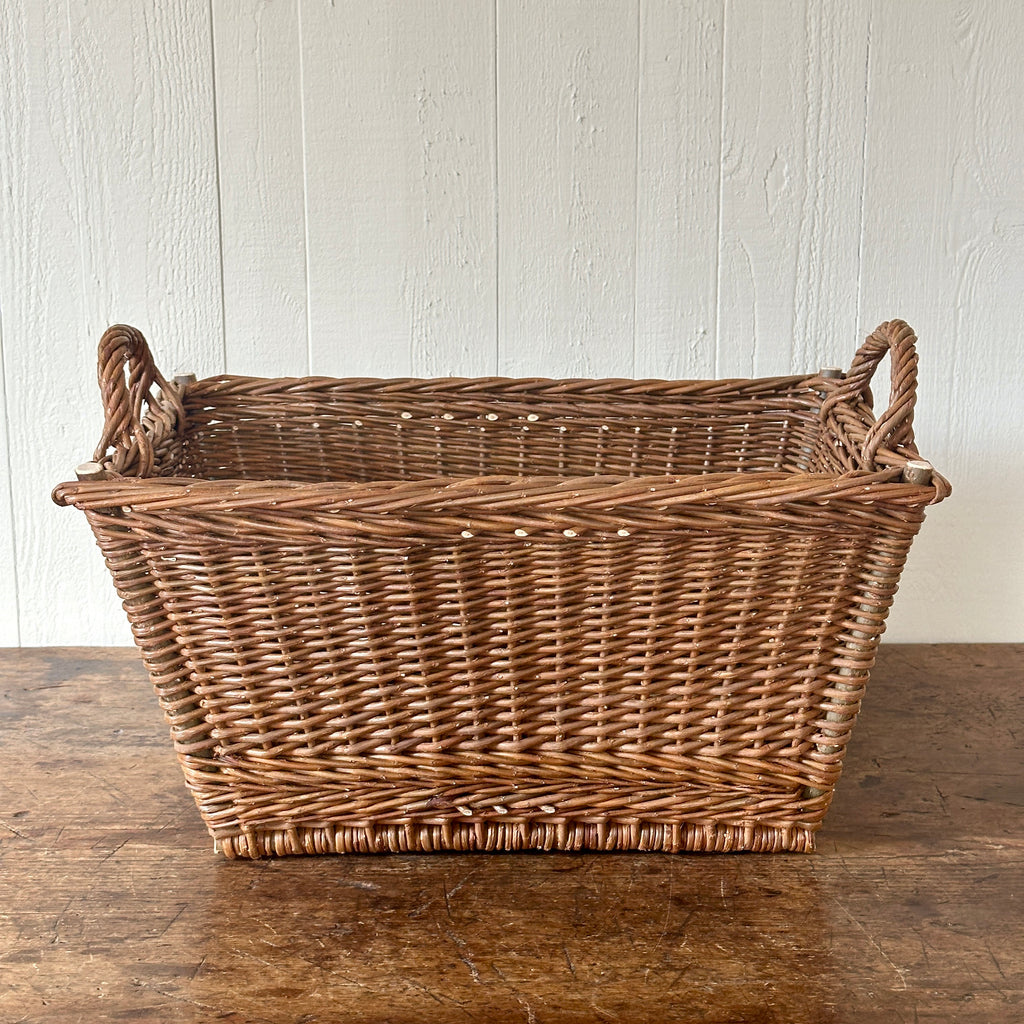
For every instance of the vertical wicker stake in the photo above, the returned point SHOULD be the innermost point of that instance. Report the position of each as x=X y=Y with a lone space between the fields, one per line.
x=829 y=373
x=91 y=471
x=860 y=643
x=835 y=373
x=917 y=471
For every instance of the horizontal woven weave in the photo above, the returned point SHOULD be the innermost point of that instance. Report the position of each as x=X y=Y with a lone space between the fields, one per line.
x=506 y=614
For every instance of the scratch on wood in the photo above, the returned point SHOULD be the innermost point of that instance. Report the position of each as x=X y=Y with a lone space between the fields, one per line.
x=114 y=851
x=181 y=910
x=461 y=945
x=351 y=883
x=531 y=1017
x=885 y=956
x=59 y=921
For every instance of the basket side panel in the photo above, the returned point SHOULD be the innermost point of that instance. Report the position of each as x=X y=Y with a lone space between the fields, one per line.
x=678 y=676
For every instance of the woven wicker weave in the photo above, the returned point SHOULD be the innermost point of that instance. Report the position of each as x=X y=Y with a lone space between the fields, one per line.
x=507 y=614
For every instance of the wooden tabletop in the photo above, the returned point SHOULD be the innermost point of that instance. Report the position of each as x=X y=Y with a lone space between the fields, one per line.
x=114 y=907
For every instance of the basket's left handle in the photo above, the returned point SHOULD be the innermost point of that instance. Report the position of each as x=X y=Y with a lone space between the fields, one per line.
x=128 y=378
x=894 y=427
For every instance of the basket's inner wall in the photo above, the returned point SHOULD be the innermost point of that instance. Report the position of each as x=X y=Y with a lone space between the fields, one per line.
x=299 y=432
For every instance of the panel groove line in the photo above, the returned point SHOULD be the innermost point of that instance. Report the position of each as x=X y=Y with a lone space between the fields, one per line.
x=567 y=187
x=261 y=147
x=678 y=147
x=399 y=151
x=218 y=185
x=10 y=630
x=47 y=368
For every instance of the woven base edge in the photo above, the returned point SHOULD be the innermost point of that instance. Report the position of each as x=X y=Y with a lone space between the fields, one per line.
x=488 y=837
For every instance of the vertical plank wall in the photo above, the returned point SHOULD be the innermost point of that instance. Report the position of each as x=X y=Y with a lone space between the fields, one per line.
x=260 y=165
x=57 y=582
x=791 y=175
x=398 y=103
x=573 y=187
x=111 y=214
x=944 y=242
x=567 y=124
x=678 y=188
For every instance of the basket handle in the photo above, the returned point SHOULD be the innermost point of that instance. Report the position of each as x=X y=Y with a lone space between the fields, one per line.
x=895 y=426
x=127 y=375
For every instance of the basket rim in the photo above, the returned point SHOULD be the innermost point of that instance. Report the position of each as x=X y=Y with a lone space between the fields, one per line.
x=506 y=493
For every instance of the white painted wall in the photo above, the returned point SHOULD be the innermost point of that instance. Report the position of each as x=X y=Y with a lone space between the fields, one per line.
x=680 y=188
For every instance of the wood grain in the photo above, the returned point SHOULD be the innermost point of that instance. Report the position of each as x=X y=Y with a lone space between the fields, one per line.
x=944 y=210
x=679 y=149
x=572 y=187
x=116 y=908
x=258 y=89
x=8 y=551
x=145 y=170
x=46 y=368
x=567 y=123
x=791 y=174
x=398 y=104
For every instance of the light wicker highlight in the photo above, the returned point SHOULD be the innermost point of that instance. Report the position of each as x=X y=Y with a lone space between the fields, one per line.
x=496 y=614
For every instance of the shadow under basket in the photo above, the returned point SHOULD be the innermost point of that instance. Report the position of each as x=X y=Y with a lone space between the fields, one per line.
x=493 y=614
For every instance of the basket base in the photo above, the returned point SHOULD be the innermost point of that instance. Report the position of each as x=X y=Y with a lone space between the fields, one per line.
x=504 y=837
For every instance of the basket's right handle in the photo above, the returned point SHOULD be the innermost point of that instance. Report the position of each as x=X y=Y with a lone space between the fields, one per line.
x=127 y=377
x=895 y=426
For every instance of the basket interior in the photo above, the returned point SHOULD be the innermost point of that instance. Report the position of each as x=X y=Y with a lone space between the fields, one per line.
x=317 y=431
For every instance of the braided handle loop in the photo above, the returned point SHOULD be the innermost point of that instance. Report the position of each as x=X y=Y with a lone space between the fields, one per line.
x=123 y=348
x=894 y=427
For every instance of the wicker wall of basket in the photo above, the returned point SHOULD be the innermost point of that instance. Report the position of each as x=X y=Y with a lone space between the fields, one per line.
x=506 y=614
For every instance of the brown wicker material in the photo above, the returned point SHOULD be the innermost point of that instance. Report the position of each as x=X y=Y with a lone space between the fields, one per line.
x=507 y=614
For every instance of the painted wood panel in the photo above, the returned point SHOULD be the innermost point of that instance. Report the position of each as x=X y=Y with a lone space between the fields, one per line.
x=9 y=630
x=398 y=104
x=679 y=149
x=791 y=180
x=64 y=595
x=567 y=158
x=12 y=105
x=944 y=248
x=113 y=218
x=262 y=186
x=142 y=81
x=621 y=187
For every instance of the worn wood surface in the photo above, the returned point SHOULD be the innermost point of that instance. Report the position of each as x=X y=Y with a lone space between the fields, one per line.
x=114 y=907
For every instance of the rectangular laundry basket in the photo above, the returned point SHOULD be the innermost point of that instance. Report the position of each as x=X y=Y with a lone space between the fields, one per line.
x=493 y=614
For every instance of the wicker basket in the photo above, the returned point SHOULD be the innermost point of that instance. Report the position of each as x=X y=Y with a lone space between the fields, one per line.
x=507 y=614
